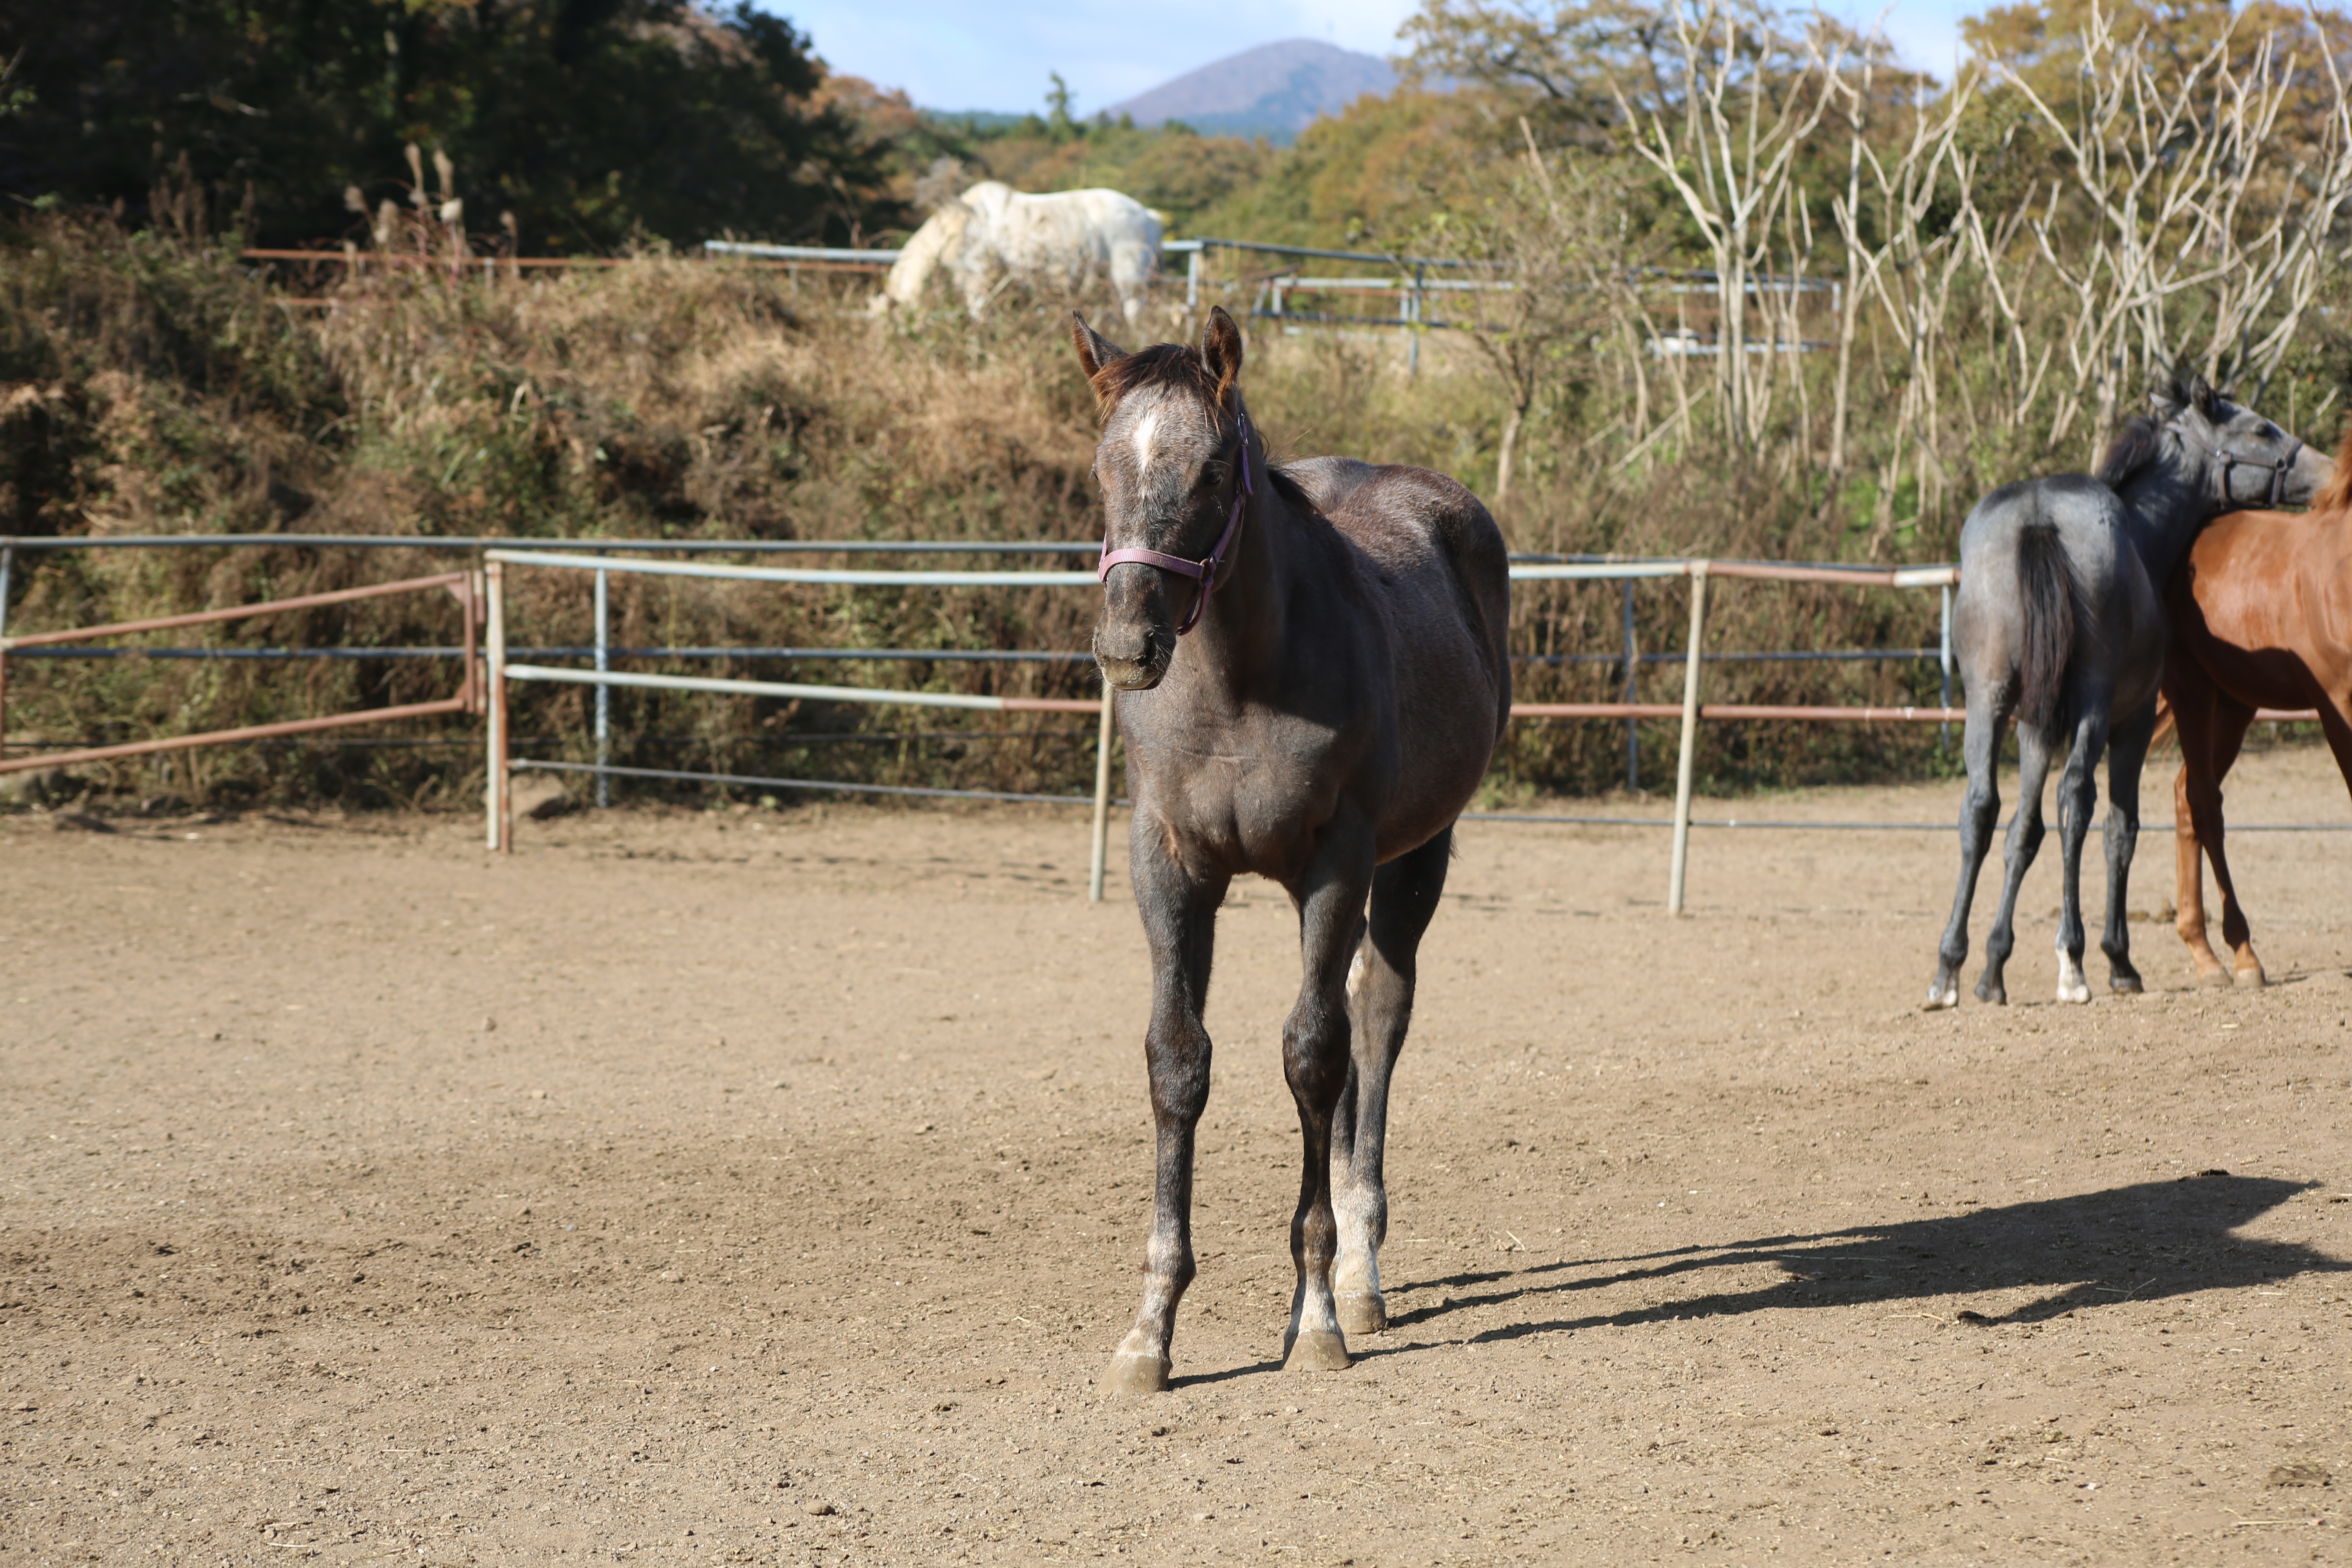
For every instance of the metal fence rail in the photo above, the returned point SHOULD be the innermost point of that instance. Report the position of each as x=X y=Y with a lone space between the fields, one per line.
x=462 y=585
x=600 y=558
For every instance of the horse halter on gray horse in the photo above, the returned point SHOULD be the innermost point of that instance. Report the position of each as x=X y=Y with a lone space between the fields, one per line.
x=1203 y=570
x=2229 y=461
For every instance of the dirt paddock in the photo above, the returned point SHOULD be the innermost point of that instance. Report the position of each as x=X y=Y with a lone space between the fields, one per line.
x=769 y=1188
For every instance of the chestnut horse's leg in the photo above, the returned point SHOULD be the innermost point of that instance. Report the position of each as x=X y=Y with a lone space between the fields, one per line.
x=1979 y=809
x=2126 y=754
x=2078 y=792
x=1330 y=898
x=2190 y=694
x=1179 y=923
x=2017 y=855
x=2202 y=774
x=1405 y=893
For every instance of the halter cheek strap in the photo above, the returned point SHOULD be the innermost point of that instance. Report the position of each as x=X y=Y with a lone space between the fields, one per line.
x=1204 y=570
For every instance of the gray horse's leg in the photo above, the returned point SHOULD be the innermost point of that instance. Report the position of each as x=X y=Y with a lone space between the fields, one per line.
x=1979 y=809
x=1405 y=893
x=2024 y=843
x=1180 y=915
x=2127 y=754
x=2078 y=792
x=1331 y=898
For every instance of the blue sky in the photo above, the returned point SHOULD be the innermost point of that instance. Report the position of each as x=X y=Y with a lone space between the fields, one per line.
x=955 y=54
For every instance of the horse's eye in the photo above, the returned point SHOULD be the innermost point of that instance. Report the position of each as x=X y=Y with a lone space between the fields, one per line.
x=1215 y=473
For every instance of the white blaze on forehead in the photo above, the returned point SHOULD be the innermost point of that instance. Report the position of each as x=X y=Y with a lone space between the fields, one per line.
x=1146 y=428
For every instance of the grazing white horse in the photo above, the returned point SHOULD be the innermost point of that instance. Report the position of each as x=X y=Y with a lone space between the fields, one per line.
x=1062 y=243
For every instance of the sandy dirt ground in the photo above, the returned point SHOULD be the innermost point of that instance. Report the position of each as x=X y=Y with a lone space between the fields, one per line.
x=770 y=1187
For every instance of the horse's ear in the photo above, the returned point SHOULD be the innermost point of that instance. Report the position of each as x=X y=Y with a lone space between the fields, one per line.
x=2201 y=393
x=1221 y=352
x=2167 y=397
x=1095 y=351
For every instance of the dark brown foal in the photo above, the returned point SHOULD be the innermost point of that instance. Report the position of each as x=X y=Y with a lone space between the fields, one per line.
x=1312 y=675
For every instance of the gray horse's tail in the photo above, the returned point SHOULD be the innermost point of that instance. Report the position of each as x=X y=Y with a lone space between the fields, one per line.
x=2046 y=582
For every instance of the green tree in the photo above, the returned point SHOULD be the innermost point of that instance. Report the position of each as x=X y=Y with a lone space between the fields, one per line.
x=591 y=122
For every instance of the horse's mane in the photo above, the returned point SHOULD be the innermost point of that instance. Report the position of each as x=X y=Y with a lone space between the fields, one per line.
x=2336 y=494
x=1174 y=365
x=2132 y=448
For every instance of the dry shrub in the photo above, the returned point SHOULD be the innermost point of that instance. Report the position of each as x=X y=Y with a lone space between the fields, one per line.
x=157 y=389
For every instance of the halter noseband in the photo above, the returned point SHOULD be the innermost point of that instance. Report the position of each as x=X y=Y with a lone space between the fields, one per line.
x=1203 y=570
x=2278 y=470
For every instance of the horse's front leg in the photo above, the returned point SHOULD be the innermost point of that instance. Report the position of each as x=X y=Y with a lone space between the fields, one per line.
x=1331 y=898
x=1180 y=915
x=2078 y=792
x=2230 y=720
x=1405 y=893
x=2188 y=883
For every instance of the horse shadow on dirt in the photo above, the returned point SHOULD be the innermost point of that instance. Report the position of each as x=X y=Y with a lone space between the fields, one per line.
x=2136 y=1243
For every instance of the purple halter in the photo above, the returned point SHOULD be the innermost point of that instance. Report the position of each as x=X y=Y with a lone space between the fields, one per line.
x=1204 y=572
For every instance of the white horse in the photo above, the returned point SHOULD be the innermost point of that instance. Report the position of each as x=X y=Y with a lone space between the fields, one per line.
x=1064 y=243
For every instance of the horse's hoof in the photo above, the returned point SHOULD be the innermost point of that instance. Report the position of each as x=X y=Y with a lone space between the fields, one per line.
x=2213 y=979
x=1136 y=1371
x=2249 y=979
x=2080 y=992
x=1317 y=1349
x=2125 y=984
x=1995 y=995
x=1364 y=1314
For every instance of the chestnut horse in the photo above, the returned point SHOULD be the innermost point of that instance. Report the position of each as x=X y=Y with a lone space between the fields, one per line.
x=2261 y=617
x=1312 y=675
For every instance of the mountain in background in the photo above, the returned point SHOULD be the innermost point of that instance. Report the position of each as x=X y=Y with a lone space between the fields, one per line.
x=1274 y=91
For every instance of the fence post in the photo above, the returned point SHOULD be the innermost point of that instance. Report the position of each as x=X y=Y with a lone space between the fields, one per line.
x=1690 y=738
x=1192 y=281
x=7 y=562
x=1944 y=657
x=1633 y=694
x=1412 y=313
x=603 y=697
x=494 y=734
x=1102 y=803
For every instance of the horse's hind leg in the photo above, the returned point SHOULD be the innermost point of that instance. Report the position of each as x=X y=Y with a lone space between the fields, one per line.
x=1180 y=914
x=2024 y=843
x=1331 y=898
x=2127 y=754
x=1979 y=809
x=1405 y=893
x=2078 y=792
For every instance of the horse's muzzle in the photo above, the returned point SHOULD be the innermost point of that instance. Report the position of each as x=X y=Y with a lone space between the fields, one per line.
x=1132 y=655
x=1135 y=673
x=1133 y=642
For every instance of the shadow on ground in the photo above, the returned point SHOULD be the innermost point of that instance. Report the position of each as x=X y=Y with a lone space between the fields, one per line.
x=2136 y=1243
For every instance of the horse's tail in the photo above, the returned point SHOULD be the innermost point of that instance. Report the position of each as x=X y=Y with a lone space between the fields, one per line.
x=2045 y=582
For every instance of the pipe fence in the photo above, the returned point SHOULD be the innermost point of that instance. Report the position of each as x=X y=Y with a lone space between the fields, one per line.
x=485 y=690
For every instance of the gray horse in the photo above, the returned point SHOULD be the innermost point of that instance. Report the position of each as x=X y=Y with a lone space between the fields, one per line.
x=2059 y=618
x=1320 y=715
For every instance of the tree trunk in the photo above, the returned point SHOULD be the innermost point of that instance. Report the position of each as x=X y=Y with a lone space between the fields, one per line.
x=1508 y=454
